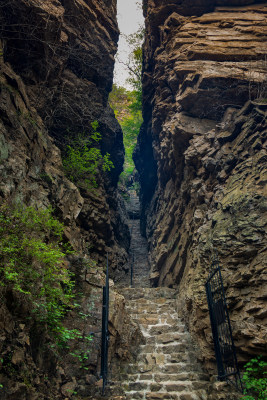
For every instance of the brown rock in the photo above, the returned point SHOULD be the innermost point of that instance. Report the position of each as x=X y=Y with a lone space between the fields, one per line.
x=68 y=389
x=56 y=72
x=202 y=150
x=18 y=357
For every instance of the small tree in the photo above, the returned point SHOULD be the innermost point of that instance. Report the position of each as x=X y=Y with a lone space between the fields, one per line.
x=134 y=65
x=126 y=104
x=82 y=159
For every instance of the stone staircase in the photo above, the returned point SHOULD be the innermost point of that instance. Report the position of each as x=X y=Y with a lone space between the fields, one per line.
x=167 y=366
x=138 y=250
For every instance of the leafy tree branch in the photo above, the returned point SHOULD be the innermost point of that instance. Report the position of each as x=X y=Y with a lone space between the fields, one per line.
x=83 y=160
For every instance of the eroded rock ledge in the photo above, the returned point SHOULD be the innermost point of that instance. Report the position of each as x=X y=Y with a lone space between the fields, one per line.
x=201 y=156
x=56 y=67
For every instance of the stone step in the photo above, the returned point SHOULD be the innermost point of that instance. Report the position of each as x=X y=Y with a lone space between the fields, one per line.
x=181 y=364
x=140 y=316
x=169 y=337
x=161 y=396
x=144 y=310
x=155 y=311
x=179 y=367
x=135 y=395
x=142 y=368
x=163 y=349
x=150 y=308
x=165 y=386
x=146 y=320
x=157 y=364
x=194 y=378
x=137 y=313
x=174 y=347
x=148 y=293
x=161 y=329
x=156 y=302
x=189 y=357
x=162 y=377
x=151 y=396
x=136 y=386
x=152 y=321
x=149 y=330
x=167 y=395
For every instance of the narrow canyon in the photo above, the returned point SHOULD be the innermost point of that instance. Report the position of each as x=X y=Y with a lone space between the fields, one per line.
x=201 y=197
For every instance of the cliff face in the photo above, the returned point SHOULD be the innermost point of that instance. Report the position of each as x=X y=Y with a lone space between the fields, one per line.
x=64 y=54
x=56 y=67
x=201 y=157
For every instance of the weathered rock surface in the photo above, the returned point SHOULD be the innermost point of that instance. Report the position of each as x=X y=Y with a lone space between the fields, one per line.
x=64 y=54
x=56 y=66
x=201 y=157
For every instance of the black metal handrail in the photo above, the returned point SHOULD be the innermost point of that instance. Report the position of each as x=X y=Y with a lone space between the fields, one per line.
x=105 y=332
x=221 y=328
x=132 y=264
x=132 y=261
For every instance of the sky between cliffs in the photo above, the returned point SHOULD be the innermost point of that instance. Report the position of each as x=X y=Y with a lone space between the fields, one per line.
x=130 y=16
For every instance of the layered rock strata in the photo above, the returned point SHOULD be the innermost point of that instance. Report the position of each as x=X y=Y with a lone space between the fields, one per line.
x=64 y=54
x=56 y=66
x=201 y=156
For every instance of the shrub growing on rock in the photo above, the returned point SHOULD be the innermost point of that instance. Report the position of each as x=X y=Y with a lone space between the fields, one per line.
x=32 y=264
x=82 y=160
x=255 y=380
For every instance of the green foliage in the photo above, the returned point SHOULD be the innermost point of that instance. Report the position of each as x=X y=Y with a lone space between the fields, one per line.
x=255 y=380
x=134 y=64
x=83 y=356
x=130 y=127
x=136 y=101
x=32 y=263
x=127 y=106
x=119 y=101
x=82 y=160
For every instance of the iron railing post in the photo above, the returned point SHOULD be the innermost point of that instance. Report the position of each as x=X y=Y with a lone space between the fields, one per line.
x=215 y=334
x=105 y=333
x=221 y=328
x=132 y=263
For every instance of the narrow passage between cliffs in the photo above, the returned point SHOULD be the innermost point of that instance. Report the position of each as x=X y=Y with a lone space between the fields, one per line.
x=138 y=257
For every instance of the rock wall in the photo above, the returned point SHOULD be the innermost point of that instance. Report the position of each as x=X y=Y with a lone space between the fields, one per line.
x=201 y=156
x=56 y=70
x=64 y=54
